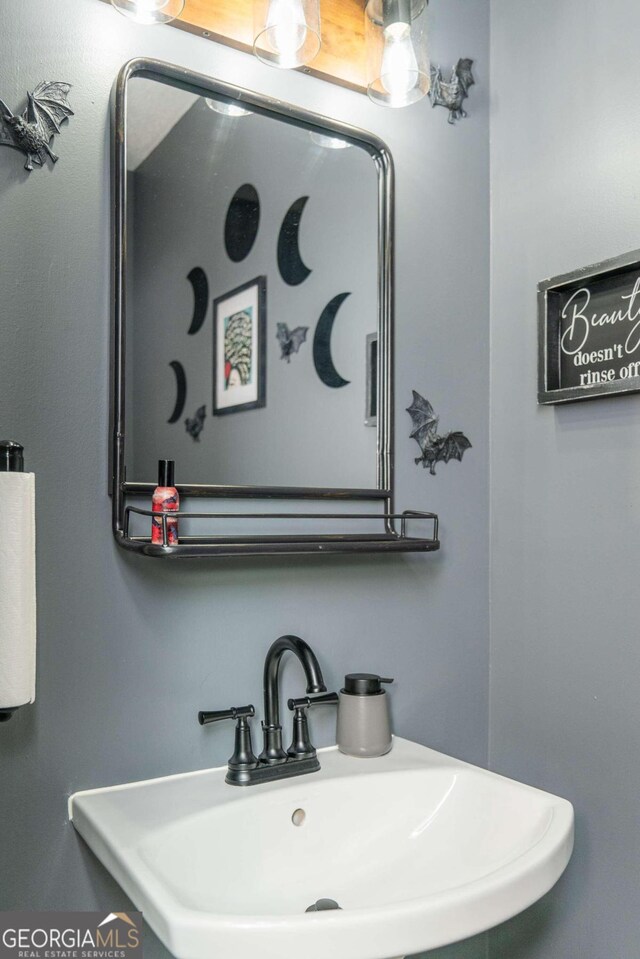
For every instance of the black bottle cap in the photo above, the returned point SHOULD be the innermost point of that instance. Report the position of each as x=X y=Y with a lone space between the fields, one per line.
x=166 y=472
x=11 y=457
x=364 y=684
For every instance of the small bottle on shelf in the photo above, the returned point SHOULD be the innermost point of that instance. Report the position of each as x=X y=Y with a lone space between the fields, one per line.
x=165 y=498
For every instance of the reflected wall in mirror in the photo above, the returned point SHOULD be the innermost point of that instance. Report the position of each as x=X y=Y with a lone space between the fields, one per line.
x=252 y=290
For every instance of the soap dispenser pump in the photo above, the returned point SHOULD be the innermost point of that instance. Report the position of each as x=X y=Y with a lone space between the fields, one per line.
x=364 y=725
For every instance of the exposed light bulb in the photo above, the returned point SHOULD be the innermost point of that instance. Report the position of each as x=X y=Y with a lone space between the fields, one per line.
x=399 y=71
x=149 y=11
x=226 y=109
x=330 y=143
x=286 y=32
x=287 y=29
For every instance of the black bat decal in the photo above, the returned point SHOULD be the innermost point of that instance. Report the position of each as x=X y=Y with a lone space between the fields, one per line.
x=434 y=448
x=452 y=93
x=290 y=341
x=195 y=424
x=32 y=131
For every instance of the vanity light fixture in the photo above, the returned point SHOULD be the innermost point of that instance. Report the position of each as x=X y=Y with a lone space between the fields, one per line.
x=150 y=11
x=398 y=68
x=286 y=32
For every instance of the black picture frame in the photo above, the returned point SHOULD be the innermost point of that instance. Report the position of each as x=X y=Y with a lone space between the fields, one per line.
x=606 y=288
x=259 y=285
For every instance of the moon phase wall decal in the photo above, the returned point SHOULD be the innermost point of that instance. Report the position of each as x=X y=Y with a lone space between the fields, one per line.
x=181 y=390
x=242 y=222
x=322 y=359
x=198 y=280
x=290 y=263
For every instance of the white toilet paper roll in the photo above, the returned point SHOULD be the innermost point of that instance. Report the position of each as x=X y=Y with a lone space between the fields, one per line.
x=17 y=589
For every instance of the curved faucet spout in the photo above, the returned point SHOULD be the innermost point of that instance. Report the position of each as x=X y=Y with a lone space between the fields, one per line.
x=273 y=751
x=308 y=661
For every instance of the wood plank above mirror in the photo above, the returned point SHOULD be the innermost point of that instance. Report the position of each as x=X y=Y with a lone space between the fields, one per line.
x=341 y=58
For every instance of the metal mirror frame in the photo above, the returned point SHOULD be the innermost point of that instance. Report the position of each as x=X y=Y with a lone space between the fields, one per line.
x=383 y=493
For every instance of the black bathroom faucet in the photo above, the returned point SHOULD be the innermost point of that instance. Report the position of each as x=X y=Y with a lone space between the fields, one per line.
x=273 y=753
x=274 y=763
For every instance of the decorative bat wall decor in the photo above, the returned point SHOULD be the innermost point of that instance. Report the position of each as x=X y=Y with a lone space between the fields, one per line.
x=452 y=93
x=32 y=131
x=434 y=448
x=194 y=424
x=290 y=340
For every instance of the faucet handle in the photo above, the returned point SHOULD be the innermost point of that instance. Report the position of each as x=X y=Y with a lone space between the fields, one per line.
x=243 y=758
x=329 y=699
x=301 y=747
x=236 y=712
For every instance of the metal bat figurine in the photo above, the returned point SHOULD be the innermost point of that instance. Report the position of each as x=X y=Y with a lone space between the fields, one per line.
x=32 y=131
x=194 y=424
x=452 y=93
x=434 y=448
x=290 y=341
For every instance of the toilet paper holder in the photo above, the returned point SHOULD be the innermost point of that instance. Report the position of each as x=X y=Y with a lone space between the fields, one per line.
x=11 y=461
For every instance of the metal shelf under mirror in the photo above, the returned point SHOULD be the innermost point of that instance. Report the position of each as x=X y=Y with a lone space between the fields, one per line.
x=253 y=326
x=217 y=533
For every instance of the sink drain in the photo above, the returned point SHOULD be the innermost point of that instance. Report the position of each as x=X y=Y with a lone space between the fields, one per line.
x=323 y=905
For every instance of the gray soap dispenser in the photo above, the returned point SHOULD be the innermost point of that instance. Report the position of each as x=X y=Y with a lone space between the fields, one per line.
x=364 y=726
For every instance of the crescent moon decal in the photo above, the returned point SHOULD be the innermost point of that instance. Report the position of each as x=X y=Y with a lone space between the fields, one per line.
x=198 y=280
x=242 y=222
x=292 y=268
x=322 y=358
x=181 y=391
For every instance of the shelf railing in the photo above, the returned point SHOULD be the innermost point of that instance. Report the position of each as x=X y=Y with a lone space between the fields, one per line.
x=215 y=542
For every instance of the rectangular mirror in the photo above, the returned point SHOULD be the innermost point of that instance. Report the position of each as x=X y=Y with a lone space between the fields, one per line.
x=253 y=296
x=251 y=290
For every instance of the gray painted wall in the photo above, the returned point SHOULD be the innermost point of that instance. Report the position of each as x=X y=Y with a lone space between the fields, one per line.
x=565 y=656
x=130 y=649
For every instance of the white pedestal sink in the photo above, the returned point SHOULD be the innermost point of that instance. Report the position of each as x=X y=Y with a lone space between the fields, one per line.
x=418 y=849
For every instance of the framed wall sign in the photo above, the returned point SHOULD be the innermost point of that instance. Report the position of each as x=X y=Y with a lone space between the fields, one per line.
x=589 y=332
x=239 y=348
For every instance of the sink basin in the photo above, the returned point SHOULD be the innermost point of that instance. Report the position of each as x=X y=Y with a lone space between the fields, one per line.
x=418 y=850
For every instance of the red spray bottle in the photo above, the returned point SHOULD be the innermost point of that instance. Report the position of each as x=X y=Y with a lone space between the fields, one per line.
x=165 y=498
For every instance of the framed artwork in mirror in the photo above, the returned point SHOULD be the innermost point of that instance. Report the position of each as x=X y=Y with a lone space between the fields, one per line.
x=239 y=348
